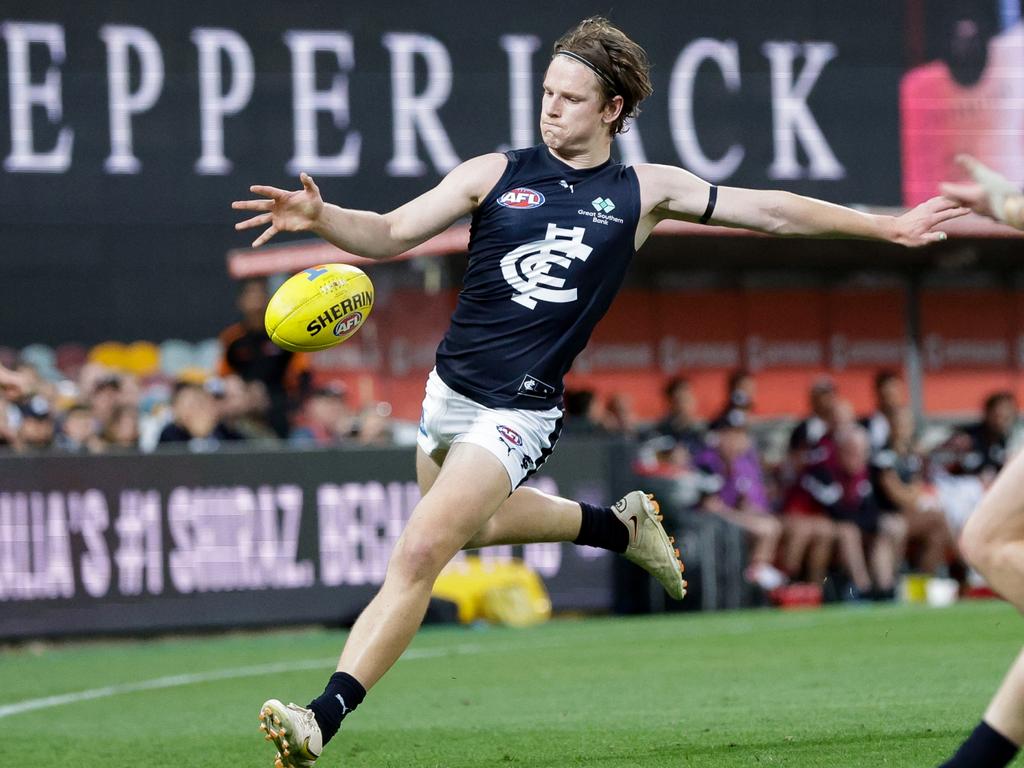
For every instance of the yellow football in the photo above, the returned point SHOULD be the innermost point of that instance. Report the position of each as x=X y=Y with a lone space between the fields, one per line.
x=319 y=307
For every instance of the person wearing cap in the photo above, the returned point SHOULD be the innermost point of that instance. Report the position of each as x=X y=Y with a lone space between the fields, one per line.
x=325 y=419
x=554 y=229
x=37 y=428
x=742 y=496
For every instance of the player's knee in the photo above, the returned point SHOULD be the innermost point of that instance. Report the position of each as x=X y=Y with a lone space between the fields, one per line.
x=977 y=548
x=418 y=560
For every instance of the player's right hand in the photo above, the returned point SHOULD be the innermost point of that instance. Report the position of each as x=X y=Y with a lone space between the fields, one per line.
x=284 y=211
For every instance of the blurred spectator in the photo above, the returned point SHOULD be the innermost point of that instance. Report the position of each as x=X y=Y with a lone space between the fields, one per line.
x=681 y=422
x=664 y=458
x=78 y=433
x=242 y=406
x=841 y=489
x=325 y=418
x=981 y=449
x=742 y=497
x=898 y=478
x=890 y=396
x=195 y=420
x=374 y=425
x=741 y=389
x=250 y=353
x=105 y=397
x=13 y=384
x=36 y=431
x=582 y=413
x=806 y=436
x=618 y=415
x=121 y=432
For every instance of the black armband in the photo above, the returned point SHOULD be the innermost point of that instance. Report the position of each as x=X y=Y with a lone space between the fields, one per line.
x=712 y=199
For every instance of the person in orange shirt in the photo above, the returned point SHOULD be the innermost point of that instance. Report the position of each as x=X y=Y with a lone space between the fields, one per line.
x=249 y=353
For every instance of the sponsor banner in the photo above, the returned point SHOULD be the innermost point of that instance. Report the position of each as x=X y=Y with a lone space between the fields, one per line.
x=786 y=337
x=139 y=127
x=967 y=330
x=166 y=542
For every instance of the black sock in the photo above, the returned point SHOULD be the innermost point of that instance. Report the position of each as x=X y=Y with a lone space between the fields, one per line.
x=601 y=528
x=985 y=748
x=342 y=695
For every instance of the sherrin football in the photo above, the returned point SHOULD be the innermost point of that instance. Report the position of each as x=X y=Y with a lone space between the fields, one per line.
x=319 y=307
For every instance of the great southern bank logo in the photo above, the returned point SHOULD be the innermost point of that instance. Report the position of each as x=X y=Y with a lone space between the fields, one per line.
x=602 y=205
x=521 y=197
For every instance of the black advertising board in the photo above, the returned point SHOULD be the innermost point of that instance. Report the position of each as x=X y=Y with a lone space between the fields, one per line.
x=129 y=127
x=129 y=544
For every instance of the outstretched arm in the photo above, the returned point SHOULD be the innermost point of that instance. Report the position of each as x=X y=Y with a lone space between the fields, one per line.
x=672 y=193
x=990 y=194
x=364 y=233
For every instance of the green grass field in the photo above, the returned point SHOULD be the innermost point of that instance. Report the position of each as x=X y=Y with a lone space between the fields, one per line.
x=843 y=687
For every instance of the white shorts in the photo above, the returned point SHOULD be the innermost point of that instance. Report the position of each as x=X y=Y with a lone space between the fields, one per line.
x=521 y=439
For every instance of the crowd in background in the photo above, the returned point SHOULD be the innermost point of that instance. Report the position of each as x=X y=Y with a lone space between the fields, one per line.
x=259 y=394
x=865 y=495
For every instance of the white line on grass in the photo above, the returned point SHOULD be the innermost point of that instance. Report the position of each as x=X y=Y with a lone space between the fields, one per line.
x=174 y=681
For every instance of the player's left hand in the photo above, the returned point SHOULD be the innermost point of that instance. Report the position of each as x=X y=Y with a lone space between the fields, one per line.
x=917 y=226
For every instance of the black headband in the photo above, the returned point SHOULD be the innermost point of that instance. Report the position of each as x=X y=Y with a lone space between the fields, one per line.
x=605 y=78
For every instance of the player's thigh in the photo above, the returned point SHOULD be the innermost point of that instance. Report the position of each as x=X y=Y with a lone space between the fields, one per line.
x=427 y=471
x=1000 y=515
x=471 y=485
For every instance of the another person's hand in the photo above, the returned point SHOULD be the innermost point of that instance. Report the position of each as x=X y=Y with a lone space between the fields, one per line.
x=284 y=211
x=986 y=195
x=917 y=226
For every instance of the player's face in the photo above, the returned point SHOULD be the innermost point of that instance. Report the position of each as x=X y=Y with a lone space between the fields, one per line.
x=573 y=111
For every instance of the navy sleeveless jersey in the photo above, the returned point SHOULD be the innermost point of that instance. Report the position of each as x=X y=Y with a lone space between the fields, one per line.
x=548 y=250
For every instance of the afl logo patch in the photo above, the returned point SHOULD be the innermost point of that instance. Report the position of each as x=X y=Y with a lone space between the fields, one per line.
x=349 y=322
x=521 y=197
x=510 y=435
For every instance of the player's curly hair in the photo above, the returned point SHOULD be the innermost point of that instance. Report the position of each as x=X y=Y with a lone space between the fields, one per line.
x=622 y=62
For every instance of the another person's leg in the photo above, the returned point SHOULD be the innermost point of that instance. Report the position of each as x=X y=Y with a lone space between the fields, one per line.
x=993 y=542
x=997 y=739
x=929 y=527
x=851 y=549
x=993 y=538
x=822 y=545
x=887 y=552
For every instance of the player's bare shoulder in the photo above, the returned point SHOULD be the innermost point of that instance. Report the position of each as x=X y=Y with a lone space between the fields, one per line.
x=477 y=176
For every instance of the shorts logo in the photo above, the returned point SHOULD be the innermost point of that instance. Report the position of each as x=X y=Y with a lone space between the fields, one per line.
x=347 y=323
x=510 y=435
x=521 y=197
